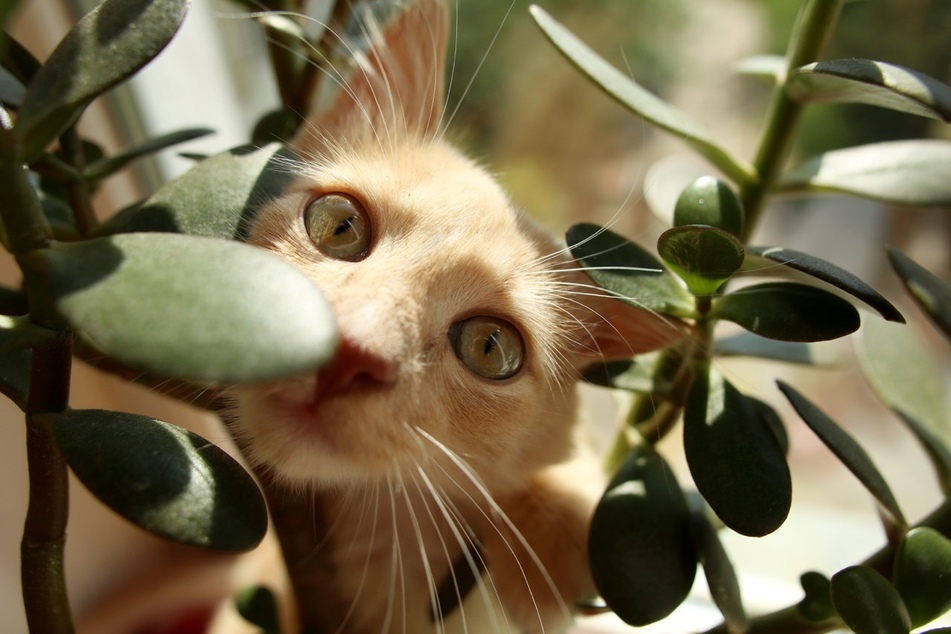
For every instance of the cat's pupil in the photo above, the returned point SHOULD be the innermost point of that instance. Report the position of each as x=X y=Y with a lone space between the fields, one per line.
x=339 y=226
x=488 y=346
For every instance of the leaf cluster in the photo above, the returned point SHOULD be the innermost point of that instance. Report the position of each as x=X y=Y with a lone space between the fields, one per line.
x=736 y=445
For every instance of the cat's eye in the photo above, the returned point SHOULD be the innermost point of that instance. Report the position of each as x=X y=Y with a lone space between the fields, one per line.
x=339 y=227
x=490 y=347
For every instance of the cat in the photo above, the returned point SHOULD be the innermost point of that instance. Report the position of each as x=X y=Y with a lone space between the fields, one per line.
x=440 y=441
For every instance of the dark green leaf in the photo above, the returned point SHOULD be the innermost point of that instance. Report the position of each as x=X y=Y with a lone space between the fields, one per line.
x=19 y=333
x=632 y=375
x=109 y=44
x=829 y=273
x=788 y=312
x=188 y=307
x=703 y=257
x=868 y=603
x=627 y=271
x=734 y=457
x=11 y=90
x=772 y=420
x=709 y=201
x=16 y=59
x=870 y=82
x=718 y=570
x=923 y=574
x=257 y=606
x=816 y=606
x=642 y=524
x=902 y=172
x=641 y=102
x=60 y=217
x=846 y=450
x=107 y=166
x=931 y=293
x=215 y=199
x=905 y=373
x=276 y=126
x=746 y=344
x=163 y=478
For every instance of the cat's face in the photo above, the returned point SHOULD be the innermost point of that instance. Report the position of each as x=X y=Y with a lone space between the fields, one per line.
x=462 y=327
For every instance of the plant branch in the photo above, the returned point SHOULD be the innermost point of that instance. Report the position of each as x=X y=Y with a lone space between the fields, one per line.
x=78 y=189
x=807 y=43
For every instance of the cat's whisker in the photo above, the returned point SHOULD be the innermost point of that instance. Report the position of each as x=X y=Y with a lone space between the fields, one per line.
x=354 y=602
x=396 y=566
x=496 y=511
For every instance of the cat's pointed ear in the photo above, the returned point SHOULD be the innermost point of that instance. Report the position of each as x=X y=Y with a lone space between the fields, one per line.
x=398 y=85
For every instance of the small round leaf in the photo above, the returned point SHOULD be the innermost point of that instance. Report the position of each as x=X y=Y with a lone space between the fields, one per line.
x=185 y=307
x=788 y=312
x=923 y=574
x=703 y=257
x=709 y=201
x=868 y=603
x=735 y=458
x=257 y=606
x=816 y=606
x=163 y=478
x=642 y=556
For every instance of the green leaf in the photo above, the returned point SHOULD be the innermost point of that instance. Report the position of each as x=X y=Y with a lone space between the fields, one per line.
x=107 y=166
x=19 y=333
x=816 y=606
x=788 y=312
x=923 y=574
x=746 y=344
x=734 y=457
x=641 y=102
x=772 y=420
x=769 y=67
x=627 y=271
x=257 y=606
x=703 y=257
x=901 y=172
x=109 y=44
x=849 y=452
x=626 y=374
x=868 y=603
x=642 y=523
x=163 y=478
x=709 y=201
x=829 y=273
x=720 y=575
x=905 y=373
x=932 y=294
x=214 y=199
x=874 y=83
x=187 y=307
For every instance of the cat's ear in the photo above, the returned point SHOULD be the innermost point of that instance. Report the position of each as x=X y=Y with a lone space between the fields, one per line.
x=398 y=85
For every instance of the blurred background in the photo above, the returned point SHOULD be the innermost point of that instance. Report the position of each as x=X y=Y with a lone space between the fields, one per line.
x=567 y=153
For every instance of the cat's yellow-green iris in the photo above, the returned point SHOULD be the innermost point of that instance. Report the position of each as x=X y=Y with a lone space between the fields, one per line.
x=338 y=226
x=489 y=346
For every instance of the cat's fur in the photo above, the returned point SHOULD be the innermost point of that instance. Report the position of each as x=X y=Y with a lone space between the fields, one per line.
x=412 y=456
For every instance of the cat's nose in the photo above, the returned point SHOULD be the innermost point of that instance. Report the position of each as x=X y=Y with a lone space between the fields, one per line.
x=354 y=366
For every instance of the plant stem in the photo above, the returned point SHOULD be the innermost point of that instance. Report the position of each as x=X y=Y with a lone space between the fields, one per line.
x=807 y=43
x=78 y=189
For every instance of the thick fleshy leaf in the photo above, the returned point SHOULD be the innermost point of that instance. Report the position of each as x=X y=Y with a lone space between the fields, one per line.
x=923 y=574
x=788 y=312
x=905 y=373
x=709 y=201
x=827 y=272
x=257 y=606
x=163 y=478
x=718 y=570
x=627 y=271
x=746 y=344
x=771 y=419
x=816 y=605
x=874 y=83
x=868 y=603
x=914 y=172
x=109 y=44
x=703 y=257
x=734 y=457
x=931 y=293
x=640 y=526
x=849 y=452
x=215 y=199
x=632 y=375
x=112 y=164
x=187 y=307
x=634 y=97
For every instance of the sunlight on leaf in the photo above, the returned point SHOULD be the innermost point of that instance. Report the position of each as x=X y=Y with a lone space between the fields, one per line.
x=709 y=201
x=703 y=257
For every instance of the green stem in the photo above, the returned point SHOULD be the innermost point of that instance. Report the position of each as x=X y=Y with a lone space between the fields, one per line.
x=807 y=43
x=78 y=189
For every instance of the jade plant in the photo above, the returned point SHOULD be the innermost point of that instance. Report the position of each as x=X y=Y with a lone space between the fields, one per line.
x=648 y=537
x=165 y=293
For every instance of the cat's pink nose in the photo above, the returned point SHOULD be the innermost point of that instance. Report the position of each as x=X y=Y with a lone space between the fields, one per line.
x=355 y=367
